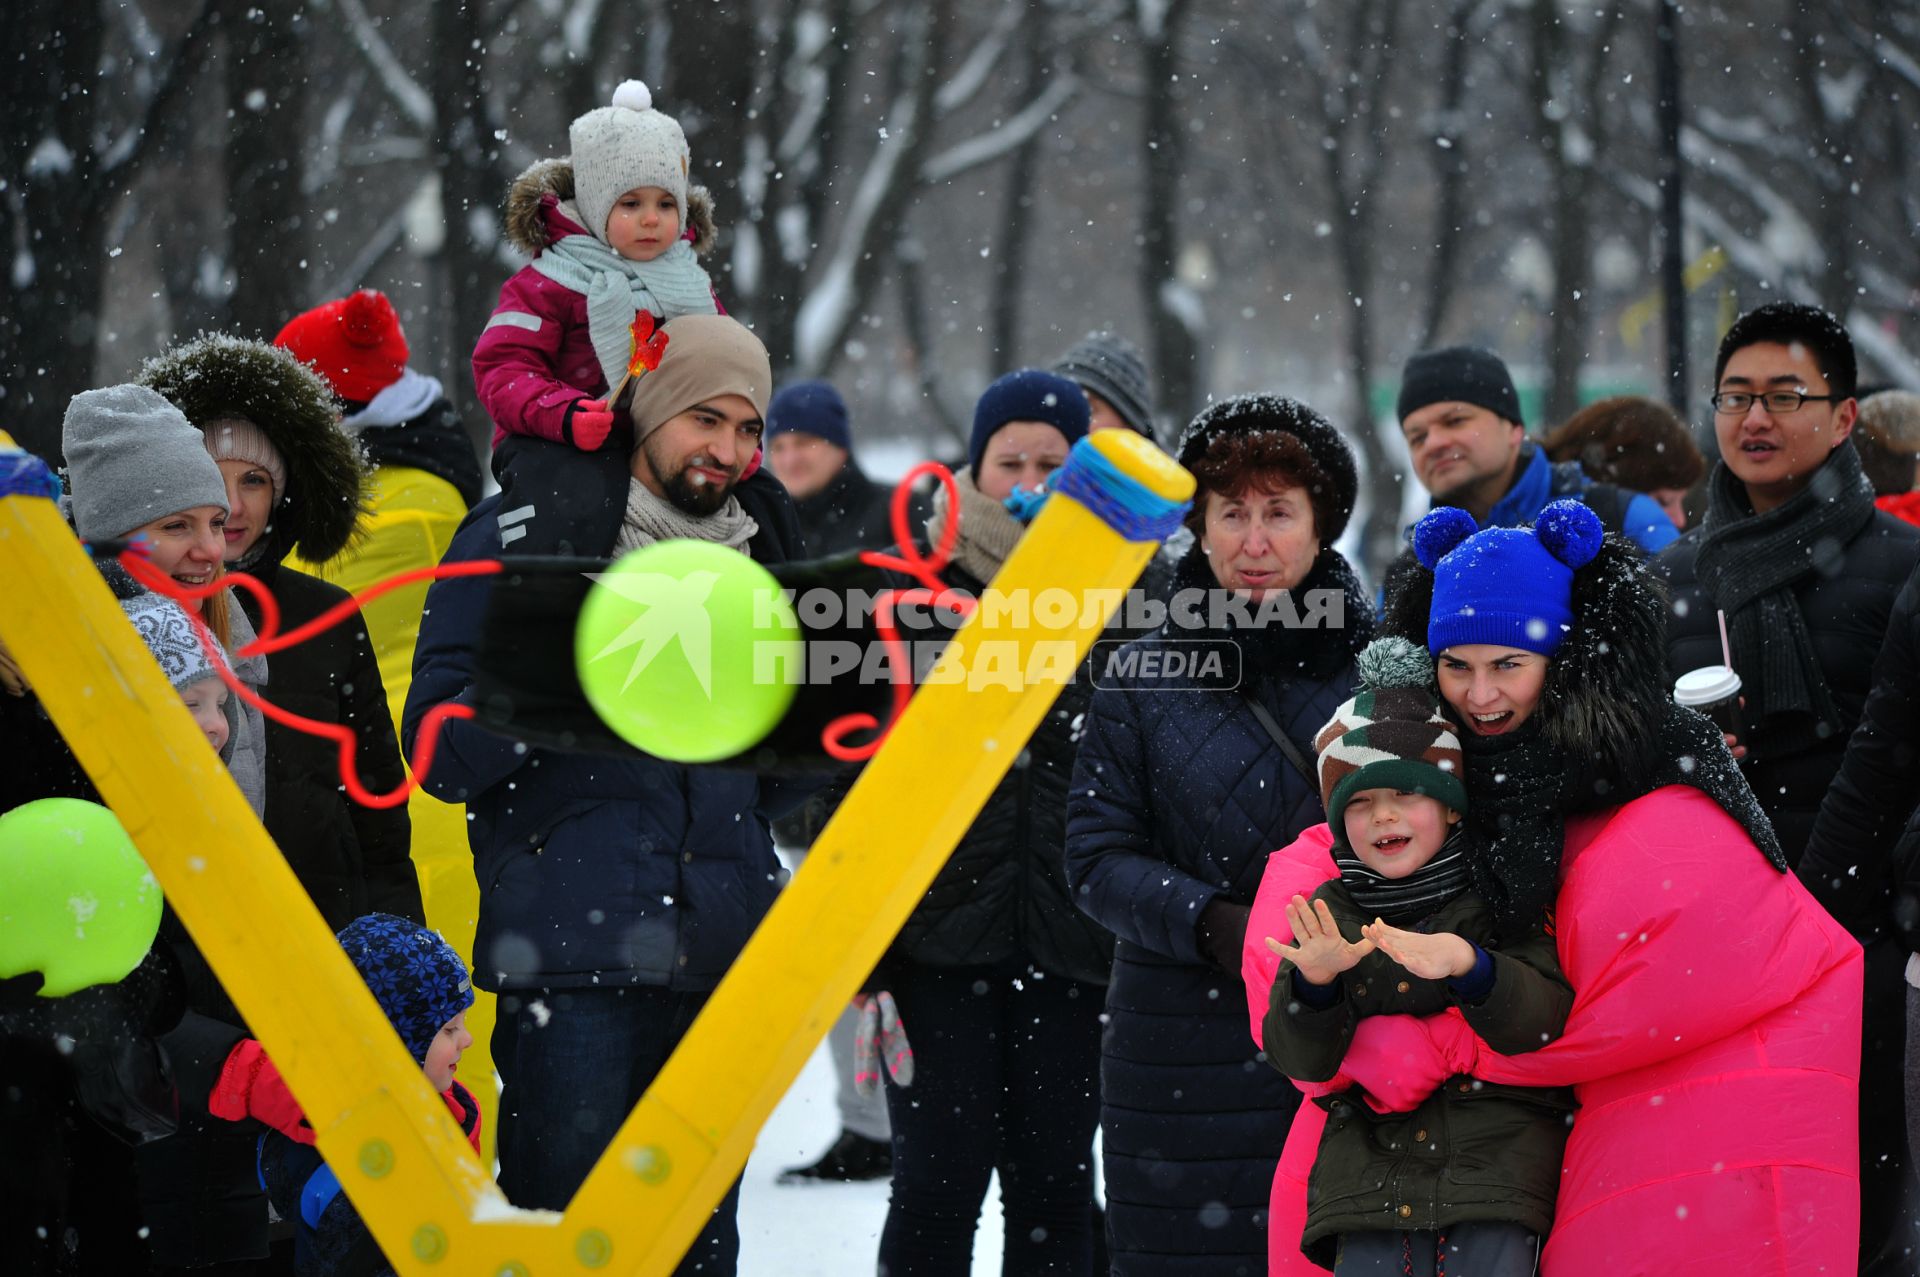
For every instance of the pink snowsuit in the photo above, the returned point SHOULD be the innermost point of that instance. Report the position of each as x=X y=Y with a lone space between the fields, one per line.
x=1714 y=1048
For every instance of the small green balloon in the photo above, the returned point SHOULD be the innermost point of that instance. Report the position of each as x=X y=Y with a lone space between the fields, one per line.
x=77 y=903
x=688 y=650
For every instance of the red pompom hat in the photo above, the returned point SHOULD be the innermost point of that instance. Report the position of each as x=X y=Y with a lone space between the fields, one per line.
x=355 y=343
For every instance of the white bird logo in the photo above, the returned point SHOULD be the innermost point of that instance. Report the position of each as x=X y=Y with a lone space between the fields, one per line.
x=674 y=607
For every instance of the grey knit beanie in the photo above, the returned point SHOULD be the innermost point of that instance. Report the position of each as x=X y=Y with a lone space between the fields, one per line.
x=620 y=147
x=131 y=458
x=1108 y=365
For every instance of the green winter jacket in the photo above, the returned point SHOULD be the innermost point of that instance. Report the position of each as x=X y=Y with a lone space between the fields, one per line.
x=1472 y=1150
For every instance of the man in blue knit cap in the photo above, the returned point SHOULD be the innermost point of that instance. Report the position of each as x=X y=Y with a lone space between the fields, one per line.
x=810 y=450
x=841 y=511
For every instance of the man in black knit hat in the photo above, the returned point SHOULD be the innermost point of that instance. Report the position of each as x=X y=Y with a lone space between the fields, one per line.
x=1460 y=415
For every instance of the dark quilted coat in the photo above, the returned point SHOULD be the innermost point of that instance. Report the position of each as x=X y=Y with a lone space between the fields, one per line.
x=1178 y=797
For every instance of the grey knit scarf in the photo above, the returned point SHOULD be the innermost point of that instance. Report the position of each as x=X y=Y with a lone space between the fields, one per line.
x=617 y=289
x=1749 y=564
x=649 y=518
x=987 y=532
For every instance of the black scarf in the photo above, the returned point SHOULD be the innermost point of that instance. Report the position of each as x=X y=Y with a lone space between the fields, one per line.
x=1400 y=902
x=1522 y=789
x=1270 y=653
x=1749 y=564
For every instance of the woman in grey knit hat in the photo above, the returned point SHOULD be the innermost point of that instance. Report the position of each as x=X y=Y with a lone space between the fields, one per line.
x=135 y=465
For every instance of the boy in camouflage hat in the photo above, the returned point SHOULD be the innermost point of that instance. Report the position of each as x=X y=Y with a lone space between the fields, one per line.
x=1470 y=1175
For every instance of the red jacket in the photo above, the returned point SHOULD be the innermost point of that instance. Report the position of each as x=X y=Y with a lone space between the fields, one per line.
x=1901 y=505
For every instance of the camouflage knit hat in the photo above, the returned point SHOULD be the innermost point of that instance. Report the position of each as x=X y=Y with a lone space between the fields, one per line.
x=1391 y=735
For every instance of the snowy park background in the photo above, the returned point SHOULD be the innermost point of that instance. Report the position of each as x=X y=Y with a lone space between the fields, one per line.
x=915 y=195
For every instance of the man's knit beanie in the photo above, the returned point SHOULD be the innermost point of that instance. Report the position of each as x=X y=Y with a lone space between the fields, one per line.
x=706 y=356
x=1028 y=394
x=1390 y=735
x=354 y=343
x=810 y=408
x=132 y=457
x=1512 y=587
x=621 y=147
x=415 y=975
x=1108 y=365
x=1459 y=374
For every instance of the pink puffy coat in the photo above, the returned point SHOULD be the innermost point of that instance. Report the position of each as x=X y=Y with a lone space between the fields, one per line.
x=1714 y=1048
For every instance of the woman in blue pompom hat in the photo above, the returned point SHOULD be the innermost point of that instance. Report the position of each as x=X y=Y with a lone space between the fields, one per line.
x=1620 y=817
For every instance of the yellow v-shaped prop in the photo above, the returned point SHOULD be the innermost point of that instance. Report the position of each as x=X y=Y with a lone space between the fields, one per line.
x=413 y=1178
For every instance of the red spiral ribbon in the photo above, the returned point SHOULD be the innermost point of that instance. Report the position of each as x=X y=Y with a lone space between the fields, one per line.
x=933 y=592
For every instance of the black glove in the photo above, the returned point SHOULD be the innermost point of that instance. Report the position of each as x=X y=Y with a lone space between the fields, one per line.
x=1221 y=932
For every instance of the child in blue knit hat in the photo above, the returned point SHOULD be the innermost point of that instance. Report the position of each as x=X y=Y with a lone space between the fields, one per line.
x=424 y=988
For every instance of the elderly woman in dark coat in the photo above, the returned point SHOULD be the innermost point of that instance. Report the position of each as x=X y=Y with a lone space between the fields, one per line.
x=1182 y=786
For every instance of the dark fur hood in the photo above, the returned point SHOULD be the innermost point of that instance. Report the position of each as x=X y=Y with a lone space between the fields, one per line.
x=215 y=376
x=1606 y=694
x=527 y=213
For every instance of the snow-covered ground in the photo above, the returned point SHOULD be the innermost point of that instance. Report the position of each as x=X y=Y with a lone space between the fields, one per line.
x=822 y=1230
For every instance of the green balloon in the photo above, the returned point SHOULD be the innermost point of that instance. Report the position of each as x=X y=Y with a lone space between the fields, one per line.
x=688 y=650
x=77 y=903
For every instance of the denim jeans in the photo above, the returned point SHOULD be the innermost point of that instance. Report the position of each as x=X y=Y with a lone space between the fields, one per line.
x=1005 y=1077
x=573 y=1063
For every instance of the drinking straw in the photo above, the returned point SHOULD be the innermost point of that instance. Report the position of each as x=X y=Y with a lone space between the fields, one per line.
x=1726 y=651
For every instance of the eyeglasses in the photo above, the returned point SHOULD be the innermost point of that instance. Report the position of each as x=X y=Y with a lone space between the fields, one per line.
x=1775 y=401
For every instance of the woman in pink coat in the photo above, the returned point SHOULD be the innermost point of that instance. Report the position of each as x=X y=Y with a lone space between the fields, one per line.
x=1714 y=1039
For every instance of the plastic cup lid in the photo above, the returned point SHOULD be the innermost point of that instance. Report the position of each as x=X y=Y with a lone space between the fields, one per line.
x=1706 y=685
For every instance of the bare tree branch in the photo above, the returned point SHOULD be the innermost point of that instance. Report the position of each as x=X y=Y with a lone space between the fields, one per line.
x=414 y=102
x=1013 y=132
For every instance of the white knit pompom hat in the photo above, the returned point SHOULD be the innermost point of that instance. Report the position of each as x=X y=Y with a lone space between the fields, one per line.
x=617 y=148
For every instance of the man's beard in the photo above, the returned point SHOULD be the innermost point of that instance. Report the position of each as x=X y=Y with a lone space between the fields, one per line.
x=693 y=496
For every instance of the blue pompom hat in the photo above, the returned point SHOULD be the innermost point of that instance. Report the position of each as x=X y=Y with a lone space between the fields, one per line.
x=1508 y=586
x=415 y=975
x=1028 y=394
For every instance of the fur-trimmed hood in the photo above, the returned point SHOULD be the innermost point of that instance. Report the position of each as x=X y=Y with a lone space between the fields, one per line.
x=217 y=375
x=1606 y=693
x=535 y=217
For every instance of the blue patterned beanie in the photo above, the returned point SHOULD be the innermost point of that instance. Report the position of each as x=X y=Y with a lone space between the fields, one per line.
x=415 y=975
x=1507 y=586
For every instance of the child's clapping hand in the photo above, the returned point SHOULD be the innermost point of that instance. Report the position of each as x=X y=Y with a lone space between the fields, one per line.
x=1431 y=957
x=1319 y=952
